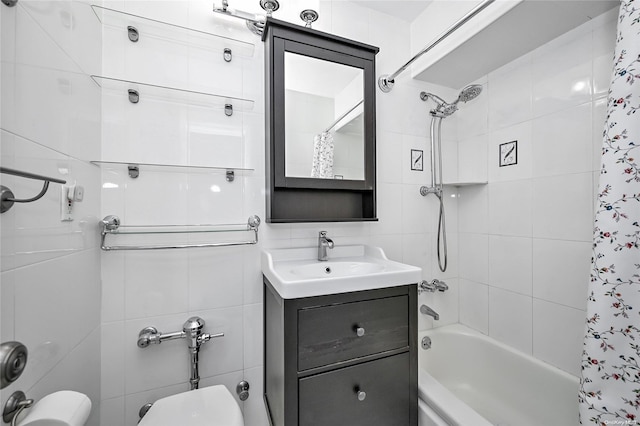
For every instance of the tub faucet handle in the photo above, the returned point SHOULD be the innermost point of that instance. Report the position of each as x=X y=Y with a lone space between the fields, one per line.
x=432 y=286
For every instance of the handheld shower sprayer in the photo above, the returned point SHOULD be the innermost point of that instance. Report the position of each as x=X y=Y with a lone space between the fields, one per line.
x=442 y=110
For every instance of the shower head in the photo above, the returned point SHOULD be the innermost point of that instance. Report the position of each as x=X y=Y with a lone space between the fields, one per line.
x=469 y=93
x=445 y=109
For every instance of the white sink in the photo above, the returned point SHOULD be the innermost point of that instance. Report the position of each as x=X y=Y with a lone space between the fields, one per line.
x=296 y=272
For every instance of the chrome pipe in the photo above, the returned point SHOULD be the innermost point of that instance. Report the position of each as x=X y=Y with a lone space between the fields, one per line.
x=386 y=82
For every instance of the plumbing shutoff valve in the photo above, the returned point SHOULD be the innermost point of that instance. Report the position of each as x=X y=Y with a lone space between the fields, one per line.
x=192 y=331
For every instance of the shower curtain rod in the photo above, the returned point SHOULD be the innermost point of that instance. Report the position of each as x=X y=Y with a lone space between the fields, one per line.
x=385 y=82
x=335 y=123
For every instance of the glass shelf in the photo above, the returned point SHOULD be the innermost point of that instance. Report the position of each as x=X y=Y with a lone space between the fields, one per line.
x=171 y=32
x=177 y=168
x=173 y=94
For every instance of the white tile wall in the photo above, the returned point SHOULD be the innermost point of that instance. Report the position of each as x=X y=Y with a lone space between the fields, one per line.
x=224 y=286
x=540 y=211
x=517 y=247
x=50 y=124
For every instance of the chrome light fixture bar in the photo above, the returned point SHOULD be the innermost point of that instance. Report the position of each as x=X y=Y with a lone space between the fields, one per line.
x=255 y=23
x=385 y=82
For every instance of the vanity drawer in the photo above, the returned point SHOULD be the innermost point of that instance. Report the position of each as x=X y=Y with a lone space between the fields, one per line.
x=334 y=398
x=335 y=333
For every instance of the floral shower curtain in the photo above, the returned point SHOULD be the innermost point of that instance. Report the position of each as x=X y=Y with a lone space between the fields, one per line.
x=610 y=383
x=322 y=156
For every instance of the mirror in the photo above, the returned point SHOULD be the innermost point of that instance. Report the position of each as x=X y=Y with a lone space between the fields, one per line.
x=320 y=139
x=324 y=119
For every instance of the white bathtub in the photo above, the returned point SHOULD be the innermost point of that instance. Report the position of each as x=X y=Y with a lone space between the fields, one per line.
x=469 y=379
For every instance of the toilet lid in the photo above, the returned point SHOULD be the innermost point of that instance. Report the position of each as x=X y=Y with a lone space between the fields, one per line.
x=211 y=406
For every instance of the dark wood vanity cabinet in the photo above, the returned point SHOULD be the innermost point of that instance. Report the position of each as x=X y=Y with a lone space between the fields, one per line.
x=341 y=359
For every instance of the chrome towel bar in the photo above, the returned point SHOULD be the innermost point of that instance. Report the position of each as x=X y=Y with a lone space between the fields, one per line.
x=7 y=198
x=111 y=225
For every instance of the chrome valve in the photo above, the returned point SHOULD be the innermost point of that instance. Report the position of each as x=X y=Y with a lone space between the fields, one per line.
x=432 y=286
x=191 y=330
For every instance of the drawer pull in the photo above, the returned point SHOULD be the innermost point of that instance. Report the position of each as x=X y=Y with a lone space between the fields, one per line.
x=361 y=395
x=360 y=331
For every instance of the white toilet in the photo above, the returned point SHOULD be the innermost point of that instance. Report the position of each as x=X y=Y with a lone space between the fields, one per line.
x=210 y=406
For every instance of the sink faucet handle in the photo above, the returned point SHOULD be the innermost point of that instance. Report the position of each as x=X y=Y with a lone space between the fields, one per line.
x=323 y=243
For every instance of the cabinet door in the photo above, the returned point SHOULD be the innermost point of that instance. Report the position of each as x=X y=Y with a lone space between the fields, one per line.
x=335 y=399
x=330 y=334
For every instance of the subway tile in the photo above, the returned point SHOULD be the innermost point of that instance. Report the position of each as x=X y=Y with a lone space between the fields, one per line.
x=156 y=283
x=474 y=305
x=112 y=411
x=113 y=285
x=416 y=251
x=563 y=207
x=473 y=209
x=474 y=257
x=510 y=318
x=215 y=278
x=509 y=93
x=562 y=142
x=561 y=271
x=42 y=291
x=510 y=208
x=112 y=364
x=389 y=215
x=253 y=335
x=472 y=159
x=211 y=199
x=559 y=346
x=510 y=263
x=561 y=73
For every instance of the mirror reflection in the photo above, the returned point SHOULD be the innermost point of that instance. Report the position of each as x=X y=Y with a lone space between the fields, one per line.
x=324 y=119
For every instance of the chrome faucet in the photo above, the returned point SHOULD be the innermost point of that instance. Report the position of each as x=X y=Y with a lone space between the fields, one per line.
x=323 y=244
x=432 y=286
x=424 y=309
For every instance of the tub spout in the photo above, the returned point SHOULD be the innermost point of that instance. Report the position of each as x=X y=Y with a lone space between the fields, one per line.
x=424 y=309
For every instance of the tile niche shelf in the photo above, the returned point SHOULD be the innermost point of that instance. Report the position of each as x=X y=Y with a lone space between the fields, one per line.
x=172 y=94
x=171 y=32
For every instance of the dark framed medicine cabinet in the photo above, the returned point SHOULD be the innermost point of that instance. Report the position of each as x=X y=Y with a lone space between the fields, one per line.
x=319 y=85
